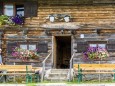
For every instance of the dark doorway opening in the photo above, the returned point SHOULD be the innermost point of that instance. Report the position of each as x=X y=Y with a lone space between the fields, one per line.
x=63 y=51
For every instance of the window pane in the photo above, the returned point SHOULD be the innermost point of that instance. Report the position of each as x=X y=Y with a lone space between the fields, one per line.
x=20 y=10
x=42 y=47
x=8 y=9
x=11 y=46
x=23 y=46
x=81 y=46
x=93 y=45
x=20 y=13
x=32 y=47
x=102 y=45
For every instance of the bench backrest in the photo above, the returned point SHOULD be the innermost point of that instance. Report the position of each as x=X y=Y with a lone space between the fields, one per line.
x=95 y=66
x=11 y=68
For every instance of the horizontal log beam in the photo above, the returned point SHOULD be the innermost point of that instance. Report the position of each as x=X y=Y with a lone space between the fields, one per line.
x=55 y=31
x=28 y=39
x=107 y=31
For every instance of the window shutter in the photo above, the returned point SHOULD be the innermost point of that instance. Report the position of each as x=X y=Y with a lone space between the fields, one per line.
x=31 y=9
x=111 y=46
x=10 y=47
x=42 y=48
x=81 y=46
x=1 y=8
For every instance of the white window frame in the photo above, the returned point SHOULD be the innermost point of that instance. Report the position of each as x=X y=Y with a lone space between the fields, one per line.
x=9 y=12
x=28 y=46
x=14 y=12
x=97 y=45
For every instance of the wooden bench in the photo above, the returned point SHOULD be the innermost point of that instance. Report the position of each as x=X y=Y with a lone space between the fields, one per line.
x=19 y=69
x=94 y=69
x=14 y=70
x=94 y=66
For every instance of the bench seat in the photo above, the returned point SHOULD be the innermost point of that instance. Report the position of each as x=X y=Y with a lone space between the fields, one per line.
x=16 y=68
x=104 y=67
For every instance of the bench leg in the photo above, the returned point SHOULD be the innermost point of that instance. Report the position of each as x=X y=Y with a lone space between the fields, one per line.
x=80 y=76
x=28 y=78
x=114 y=75
x=5 y=78
x=37 y=78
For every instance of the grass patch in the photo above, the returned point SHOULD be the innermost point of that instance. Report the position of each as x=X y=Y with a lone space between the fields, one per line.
x=91 y=82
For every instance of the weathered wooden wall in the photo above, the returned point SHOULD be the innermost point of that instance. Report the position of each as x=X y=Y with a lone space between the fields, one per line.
x=103 y=14
x=94 y=14
x=80 y=45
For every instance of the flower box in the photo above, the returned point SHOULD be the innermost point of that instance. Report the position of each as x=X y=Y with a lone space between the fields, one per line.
x=24 y=54
x=95 y=53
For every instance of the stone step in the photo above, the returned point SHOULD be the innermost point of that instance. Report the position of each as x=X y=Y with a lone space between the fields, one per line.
x=57 y=75
x=57 y=79
x=59 y=71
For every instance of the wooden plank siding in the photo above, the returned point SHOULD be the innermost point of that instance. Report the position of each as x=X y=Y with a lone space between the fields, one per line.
x=96 y=15
x=79 y=14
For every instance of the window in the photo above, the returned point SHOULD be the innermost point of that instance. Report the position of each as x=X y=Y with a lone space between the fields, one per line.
x=11 y=46
x=111 y=45
x=32 y=47
x=42 y=47
x=13 y=9
x=27 y=9
x=20 y=10
x=81 y=46
x=98 y=45
x=28 y=46
x=9 y=9
x=93 y=45
x=23 y=46
x=102 y=45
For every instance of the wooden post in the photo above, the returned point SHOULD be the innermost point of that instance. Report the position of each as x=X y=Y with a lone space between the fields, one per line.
x=114 y=75
x=3 y=46
x=78 y=74
x=26 y=74
x=14 y=75
x=52 y=51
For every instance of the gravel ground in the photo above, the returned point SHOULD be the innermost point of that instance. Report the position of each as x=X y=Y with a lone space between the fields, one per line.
x=12 y=85
x=61 y=84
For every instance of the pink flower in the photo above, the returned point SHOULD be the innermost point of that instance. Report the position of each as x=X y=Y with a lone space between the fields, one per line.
x=23 y=53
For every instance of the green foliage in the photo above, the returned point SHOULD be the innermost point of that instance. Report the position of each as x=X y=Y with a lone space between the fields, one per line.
x=14 y=20
x=3 y=19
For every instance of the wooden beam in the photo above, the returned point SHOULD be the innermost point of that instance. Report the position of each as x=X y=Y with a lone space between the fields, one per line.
x=34 y=32
x=55 y=31
x=21 y=39
x=107 y=31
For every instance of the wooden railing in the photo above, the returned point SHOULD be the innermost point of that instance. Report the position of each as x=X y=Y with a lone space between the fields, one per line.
x=43 y=67
x=71 y=66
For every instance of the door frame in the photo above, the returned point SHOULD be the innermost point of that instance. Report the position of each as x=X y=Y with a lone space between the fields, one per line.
x=54 y=49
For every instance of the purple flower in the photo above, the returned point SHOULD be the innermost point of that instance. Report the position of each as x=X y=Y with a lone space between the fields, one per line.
x=95 y=53
x=18 y=19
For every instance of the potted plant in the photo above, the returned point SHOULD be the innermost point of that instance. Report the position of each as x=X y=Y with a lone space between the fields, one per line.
x=14 y=20
x=24 y=54
x=95 y=53
x=17 y=20
x=3 y=19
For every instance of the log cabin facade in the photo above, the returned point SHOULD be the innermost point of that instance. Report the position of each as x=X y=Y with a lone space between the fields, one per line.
x=91 y=23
